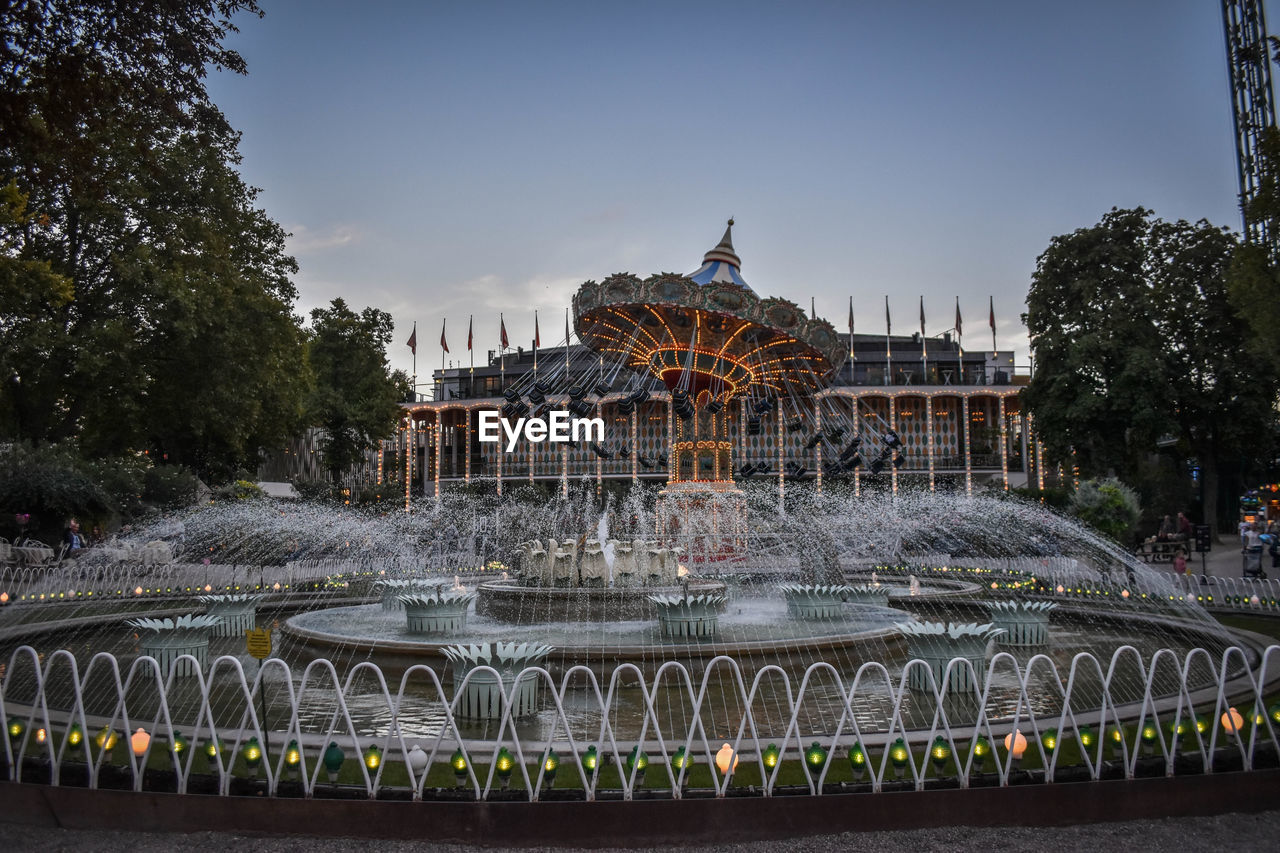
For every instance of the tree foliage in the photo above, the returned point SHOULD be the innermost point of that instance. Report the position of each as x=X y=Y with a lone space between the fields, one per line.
x=1136 y=340
x=1107 y=506
x=146 y=299
x=355 y=399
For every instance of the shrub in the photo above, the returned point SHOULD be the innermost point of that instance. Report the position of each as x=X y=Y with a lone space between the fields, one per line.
x=1108 y=506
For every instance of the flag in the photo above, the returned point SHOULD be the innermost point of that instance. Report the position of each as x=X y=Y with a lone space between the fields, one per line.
x=413 y=340
x=921 y=318
x=959 y=323
x=567 y=339
x=888 y=324
x=992 y=320
x=444 y=345
x=502 y=329
x=470 y=322
x=537 y=338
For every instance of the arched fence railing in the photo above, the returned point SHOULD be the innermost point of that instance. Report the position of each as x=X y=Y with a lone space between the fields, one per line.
x=112 y=720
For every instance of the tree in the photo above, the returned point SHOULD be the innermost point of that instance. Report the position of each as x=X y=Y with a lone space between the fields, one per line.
x=356 y=398
x=1136 y=340
x=172 y=327
x=1107 y=506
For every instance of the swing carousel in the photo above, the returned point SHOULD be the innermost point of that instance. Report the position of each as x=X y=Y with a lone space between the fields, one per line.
x=731 y=361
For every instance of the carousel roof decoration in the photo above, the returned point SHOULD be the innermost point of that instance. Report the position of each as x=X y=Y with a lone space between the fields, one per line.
x=721 y=265
x=707 y=331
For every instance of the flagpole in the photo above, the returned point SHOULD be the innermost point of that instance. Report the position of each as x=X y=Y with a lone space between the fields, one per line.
x=566 y=344
x=502 y=359
x=924 y=350
x=535 y=344
x=888 y=349
x=444 y=348
x=852 y=356
x=959 y=342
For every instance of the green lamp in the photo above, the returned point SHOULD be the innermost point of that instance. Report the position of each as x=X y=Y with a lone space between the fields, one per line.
x=252 y=753
x=459 y=763
x=16 y=729
x=332 y=760
x=75 y=735
x=637 y=761
x=550 y=764
x=1049 y=740
x=940 y=754
x=770 y=756
x=898 y=757
x=180 y=744
x=816 y=757
x=981 y=749
x=858 y=761
x=213 y=748
x=372 y=757
x=1150 y=734
x=1087 y=737
x=292 y=758
x=591 y=760
x=106 y=738
x=502 y=766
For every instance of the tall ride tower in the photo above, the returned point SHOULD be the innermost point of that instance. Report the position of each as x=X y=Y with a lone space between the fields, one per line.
x=1252 y=98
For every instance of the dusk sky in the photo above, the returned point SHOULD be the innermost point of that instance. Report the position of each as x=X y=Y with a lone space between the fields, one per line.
x=439 y=160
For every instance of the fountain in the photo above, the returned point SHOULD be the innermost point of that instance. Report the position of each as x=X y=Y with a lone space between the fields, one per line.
x=688 y=616
x=168 y=640
x=236 y=613
x=815 y=601
x=938 y=644
x=440 y=612
x=1025 y=623
x=482 y=691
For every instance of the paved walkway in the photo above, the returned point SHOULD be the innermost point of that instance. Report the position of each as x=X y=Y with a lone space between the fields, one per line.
x=1244 y=832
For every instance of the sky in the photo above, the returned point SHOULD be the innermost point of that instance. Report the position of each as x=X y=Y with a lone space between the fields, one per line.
x=441 y=160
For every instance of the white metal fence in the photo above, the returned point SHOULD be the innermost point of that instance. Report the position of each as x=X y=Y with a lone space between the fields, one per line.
x=1195 y=725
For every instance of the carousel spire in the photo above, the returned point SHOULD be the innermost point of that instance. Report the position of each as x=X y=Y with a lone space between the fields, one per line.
x=722 y=264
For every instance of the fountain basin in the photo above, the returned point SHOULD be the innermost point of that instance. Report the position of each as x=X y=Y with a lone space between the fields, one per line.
x=508 y=601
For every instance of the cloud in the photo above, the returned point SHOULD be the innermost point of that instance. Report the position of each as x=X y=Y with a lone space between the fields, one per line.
x=303 y=239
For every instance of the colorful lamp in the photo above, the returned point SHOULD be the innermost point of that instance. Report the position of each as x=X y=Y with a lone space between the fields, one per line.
x=252 y=754
x=459 y=763
x=503 y=765
x=332 y=760
x=940 y=753
x=816 y=757
x=858 y=761
x=898 y=757
x=550 y=764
